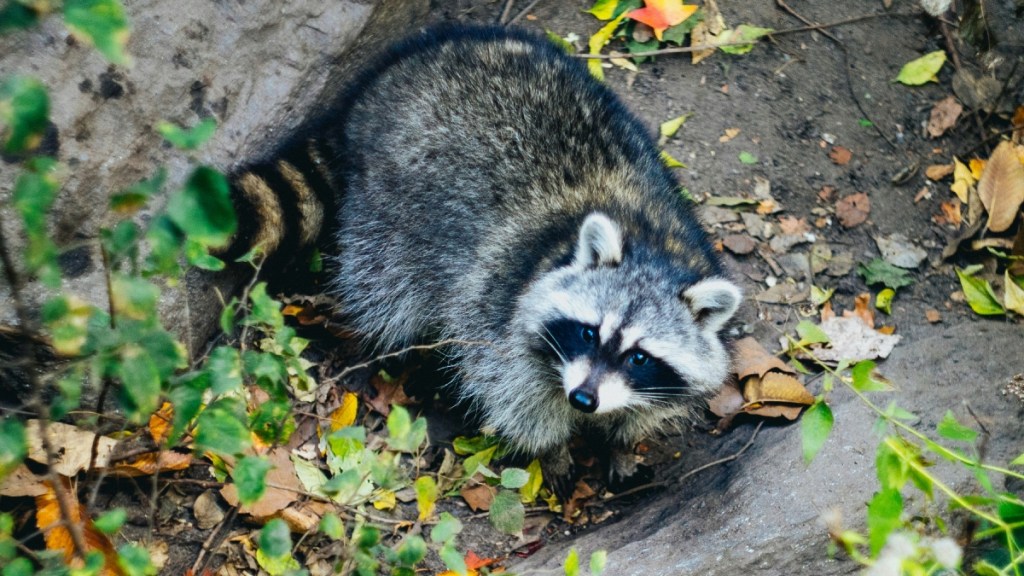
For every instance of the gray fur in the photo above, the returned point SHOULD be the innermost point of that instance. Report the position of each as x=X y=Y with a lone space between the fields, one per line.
x=490 y=186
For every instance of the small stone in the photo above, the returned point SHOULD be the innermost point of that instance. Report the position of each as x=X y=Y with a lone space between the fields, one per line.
x=740 y=244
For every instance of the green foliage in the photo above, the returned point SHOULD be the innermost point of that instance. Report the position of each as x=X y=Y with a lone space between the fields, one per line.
x=979 y=294
x=187 y=138
x=24 y=113
x=111 y=521
x=507 y=513
x=13 y=445
x=34 y=193
x=816 y=425
x=250 y=477
x=101 y=23
x=276 y=539
x=879 y=271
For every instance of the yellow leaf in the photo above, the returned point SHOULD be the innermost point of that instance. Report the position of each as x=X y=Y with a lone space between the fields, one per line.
x=669 y=128
x=884 y=300
x=962 y=180
x=1001 y=187
x=1013 y=297
x=977 y=167
x=345 y=415
x=603 y=9
x=385 y=500
x=597 y=42
x=670 y=161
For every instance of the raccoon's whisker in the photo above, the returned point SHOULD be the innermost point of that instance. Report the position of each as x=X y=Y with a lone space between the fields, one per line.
x=551 y=341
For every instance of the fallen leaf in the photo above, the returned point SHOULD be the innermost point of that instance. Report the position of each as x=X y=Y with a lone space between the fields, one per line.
x=950 y=214
x=977 y=166
x=937 y=172
x=853 y=340
x=898 y=250
x=1001 y=187
x=924 y=193
x=53 y=525
x=943 y=116
x=922 y=70
x=827 y=193
x=840 y=155
x=884 y=300
x=473 y=561
x=730 y=133
x=1018 y=125
x=580 y=495
x=739 y=243
x=478 y=495
x=853 y=210
x=345 y=414
x=932 y=315
x=962 y=180
x=669 y=128
x=751 y=359
x=72 y=446
x=878 y=271
x=774 y=387
x=151 y=463
x=661 y=15
x=389 y=392
x=784 y=293
x=283 y=487
x=769 y=206
x=979 y=294
x=597 y=42
x=160 y=423
x=1013 y=293
x=862 y=309
x=793 y=225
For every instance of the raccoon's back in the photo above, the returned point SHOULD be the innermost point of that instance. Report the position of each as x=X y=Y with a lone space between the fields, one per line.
x=462 y=149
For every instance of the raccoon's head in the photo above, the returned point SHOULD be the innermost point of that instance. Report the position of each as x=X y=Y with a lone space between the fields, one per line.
x=623 y=329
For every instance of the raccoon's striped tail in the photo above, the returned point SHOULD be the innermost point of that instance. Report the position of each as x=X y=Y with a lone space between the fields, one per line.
x=283 y=203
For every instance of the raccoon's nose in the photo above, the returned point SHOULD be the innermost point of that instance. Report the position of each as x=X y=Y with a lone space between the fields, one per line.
x=583 y=400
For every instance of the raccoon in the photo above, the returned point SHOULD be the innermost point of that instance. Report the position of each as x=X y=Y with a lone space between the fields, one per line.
x=490 y=193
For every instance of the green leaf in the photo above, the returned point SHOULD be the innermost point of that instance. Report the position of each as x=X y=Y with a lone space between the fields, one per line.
x=453 y=559
x=20 y=566
x=514 y=478
x=34 y=193
x=272 y=421
x=742 y=33
x=1018 y=461
x=481 y=458
x=879 y=271
x=810 y=333
x=14 y=16
x=464 y=446
x=285 y=565
x=603 y=9
x=332 y=526
x=864 y=378
x=405 y=435
x=221 y=428
x=165 y=241
x=669 y=161
x=140 y=383
x=598 y=560
x=225 y=367
x=529 y=492
x=197 y=255
x=815 y=426
x=597 y=42
x=250 y=476
x=507 y=513
x=883 y=517
x=133 y=297
x=572 y=563
x=979 y=294
x=187 y=138
x=677 y=34
x=276 y=539
x=265 y=310
x=412 y=551
x=187 y=397
x=562 y=43
x=950 y=429
x=24 y=113
x=884 y=300
x=892 y=471
x=669 y=128
x=1013 y=293
x=101 y=23
x=747 y=158
x=136 y=196
x=865 y=123
x=445 y=529
x=202 y=209
x=111 y=521
x=134 y=561
x=922 y=70
x=426 y=496
x=13 y=445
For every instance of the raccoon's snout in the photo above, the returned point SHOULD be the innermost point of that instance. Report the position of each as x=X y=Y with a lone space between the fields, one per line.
x=583 y=400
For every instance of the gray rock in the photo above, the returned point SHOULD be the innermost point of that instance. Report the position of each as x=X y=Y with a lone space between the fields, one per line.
x=761 y=513
x=899 y=251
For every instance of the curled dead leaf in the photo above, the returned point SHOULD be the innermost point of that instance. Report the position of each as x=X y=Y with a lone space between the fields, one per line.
x=1001 y=187
x=853 y=210
x=937 y=172
x=943 y=116
x=840 y=155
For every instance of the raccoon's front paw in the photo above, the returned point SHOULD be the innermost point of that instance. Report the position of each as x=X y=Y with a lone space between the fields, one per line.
x=624 y=473
x=560 y=472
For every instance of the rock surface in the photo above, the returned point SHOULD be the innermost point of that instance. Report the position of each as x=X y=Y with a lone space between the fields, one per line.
x=257 y=67
x=761 y=514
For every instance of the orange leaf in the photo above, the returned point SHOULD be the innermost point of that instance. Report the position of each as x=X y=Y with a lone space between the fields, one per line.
x=661 y=15
x=160 y=423
x=151 y=463
x=57 y=535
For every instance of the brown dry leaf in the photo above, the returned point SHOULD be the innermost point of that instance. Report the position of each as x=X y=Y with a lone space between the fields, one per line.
x=853 y=209
x=478 y=495
x=740 y=244
x=924 y=192
x=58 y=537
x=950 y=214
x=388 y=393
x=1016 y=269
x=72 y=446
x=932 y=315
x=751 y=359
x=944 y=116
x=23 y=482
x=730 y=133
x=1018 y=125
x=793 y=225
x=283 y=487
x=767 y=206
x=774 y=388
x=827 y=193
x=151 y=463
x=937 y=172
x=160 y=423
x=853 y=340
x=1001 y=187
x=862 y=309
x=840 y=155
x=580 y=495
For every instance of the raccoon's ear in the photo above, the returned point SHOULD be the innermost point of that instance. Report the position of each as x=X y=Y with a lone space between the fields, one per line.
x=712 y=302
x=600 y=242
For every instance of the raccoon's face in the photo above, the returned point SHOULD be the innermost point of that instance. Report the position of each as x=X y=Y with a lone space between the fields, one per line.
x=628 y=333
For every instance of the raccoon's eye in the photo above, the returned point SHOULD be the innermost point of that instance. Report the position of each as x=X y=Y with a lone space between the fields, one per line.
x=588 y=334
x=638 y=358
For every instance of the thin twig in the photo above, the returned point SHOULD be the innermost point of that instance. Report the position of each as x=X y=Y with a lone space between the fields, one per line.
x=523 y=12
x=350 y=369
x=208 y=544
x=504 y=13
